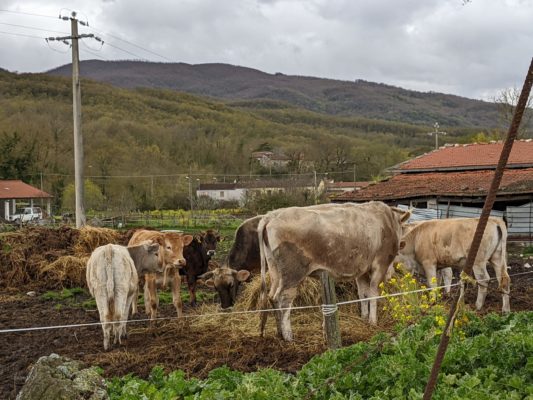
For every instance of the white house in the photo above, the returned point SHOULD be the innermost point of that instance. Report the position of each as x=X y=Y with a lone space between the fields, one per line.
x=222 y=191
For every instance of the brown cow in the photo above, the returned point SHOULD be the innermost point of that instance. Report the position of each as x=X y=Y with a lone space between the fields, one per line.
x=112 y=278
x=347 y=240
x=198 y=254
x=243 y=258
x=171 y=258
x=441 y=243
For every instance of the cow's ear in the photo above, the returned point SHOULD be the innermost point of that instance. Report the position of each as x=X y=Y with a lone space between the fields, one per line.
x=210 y=283
x=207 y=275
x=187 y=239
x=242 y=275
x=160 y=240
x=198 y=237
x=406 y=216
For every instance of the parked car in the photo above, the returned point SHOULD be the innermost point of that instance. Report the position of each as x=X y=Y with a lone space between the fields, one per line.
x=27 y=214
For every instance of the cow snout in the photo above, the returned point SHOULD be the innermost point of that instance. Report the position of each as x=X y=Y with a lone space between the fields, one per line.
x=211 y=253
x=182 y=262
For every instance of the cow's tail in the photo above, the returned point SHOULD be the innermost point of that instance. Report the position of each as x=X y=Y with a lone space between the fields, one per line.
x=110 y=284
x=502 y=236
x=263 y=300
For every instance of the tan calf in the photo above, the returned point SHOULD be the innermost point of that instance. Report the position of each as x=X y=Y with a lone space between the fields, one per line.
x=112 y=279
x=171 y=258
x=437 y=244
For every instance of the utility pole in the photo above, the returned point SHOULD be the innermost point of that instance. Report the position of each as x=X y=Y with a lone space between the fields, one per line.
x=436 y=133
x=76 y=108
x=354 y=181
x=316 y=188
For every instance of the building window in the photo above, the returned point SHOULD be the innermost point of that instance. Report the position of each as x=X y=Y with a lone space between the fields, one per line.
x=222 y=194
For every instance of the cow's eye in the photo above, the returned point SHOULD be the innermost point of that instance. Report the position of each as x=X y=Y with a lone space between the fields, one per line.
x=169 y=247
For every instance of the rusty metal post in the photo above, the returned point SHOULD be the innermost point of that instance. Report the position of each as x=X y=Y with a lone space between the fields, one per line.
x=489 y=202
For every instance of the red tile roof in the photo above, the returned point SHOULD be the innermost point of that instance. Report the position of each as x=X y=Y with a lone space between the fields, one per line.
x=431 y=184
x=469 y=156
x=20 y=190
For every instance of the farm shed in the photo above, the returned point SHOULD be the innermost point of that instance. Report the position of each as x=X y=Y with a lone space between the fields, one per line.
x=454 y=180
x=12 y=191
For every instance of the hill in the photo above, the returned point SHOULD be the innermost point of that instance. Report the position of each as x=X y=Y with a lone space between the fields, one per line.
x=342 y=98
x=138 y=141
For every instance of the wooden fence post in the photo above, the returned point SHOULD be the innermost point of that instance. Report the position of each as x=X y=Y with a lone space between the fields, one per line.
x=331 y=314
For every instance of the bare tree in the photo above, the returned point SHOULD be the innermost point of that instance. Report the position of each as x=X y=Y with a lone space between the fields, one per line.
x=506 y=102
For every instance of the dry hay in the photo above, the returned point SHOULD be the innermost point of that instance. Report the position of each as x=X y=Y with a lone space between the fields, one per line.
x=309 y=294
x=23 y=252
x=90 y=238
x=217 y=338
x=47 y=257
x=66 y=271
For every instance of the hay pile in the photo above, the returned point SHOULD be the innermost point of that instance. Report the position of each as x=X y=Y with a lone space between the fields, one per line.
x=309 y=293
x=40 y=257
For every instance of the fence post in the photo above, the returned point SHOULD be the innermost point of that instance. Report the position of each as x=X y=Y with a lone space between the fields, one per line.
x=331 y=316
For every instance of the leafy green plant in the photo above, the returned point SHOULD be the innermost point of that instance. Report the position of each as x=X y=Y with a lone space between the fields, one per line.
x=492 y=361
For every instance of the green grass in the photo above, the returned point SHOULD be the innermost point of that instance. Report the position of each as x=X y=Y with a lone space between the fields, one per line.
x=63 y=294
x=74 y=297
x=528 y=251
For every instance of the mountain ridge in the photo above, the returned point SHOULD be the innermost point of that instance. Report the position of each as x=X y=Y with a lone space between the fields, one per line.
x=233 y=83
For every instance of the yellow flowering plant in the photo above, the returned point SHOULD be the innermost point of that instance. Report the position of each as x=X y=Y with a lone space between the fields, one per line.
x=415 y=303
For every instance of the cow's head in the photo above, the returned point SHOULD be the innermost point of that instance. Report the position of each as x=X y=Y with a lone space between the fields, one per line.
x=173 y=248
x=150 y=260
x=210 y=239
x=226 y=282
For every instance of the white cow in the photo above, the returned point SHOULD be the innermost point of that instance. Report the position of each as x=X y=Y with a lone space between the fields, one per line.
x=441 y=243
x=113 y=280
x=347 y=240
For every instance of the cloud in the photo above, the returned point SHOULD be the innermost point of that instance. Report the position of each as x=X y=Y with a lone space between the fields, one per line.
x=472 y=50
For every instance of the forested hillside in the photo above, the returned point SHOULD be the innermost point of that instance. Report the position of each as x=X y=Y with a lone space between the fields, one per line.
x=128 y=133
x=355 y=98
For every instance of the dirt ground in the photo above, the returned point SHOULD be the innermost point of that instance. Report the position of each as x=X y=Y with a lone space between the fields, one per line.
x=195 y=345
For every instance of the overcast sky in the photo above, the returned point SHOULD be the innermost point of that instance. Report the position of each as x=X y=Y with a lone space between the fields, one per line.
x=470 y=48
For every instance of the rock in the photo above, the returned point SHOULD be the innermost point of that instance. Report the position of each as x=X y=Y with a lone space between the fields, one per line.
x=31 y=294
x=526 y=265
x=55 y=377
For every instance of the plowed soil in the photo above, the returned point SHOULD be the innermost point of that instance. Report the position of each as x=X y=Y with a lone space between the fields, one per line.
x=195 y=348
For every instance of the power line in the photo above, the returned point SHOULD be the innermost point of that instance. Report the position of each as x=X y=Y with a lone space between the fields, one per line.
x=25 y=13
x=23 y=35
x=92 y=51
x=126 y=51
x=208 y=174
x=31 y=27
x=131 y=43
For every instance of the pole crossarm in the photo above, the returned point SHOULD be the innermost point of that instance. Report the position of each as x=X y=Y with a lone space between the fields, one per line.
x=82 y=36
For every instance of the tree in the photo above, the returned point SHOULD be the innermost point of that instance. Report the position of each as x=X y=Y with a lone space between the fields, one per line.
x=506 y=102
x=94 y=199
x=16 y=156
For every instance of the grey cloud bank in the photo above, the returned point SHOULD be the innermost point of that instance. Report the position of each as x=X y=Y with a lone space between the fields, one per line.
x=475 y=49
